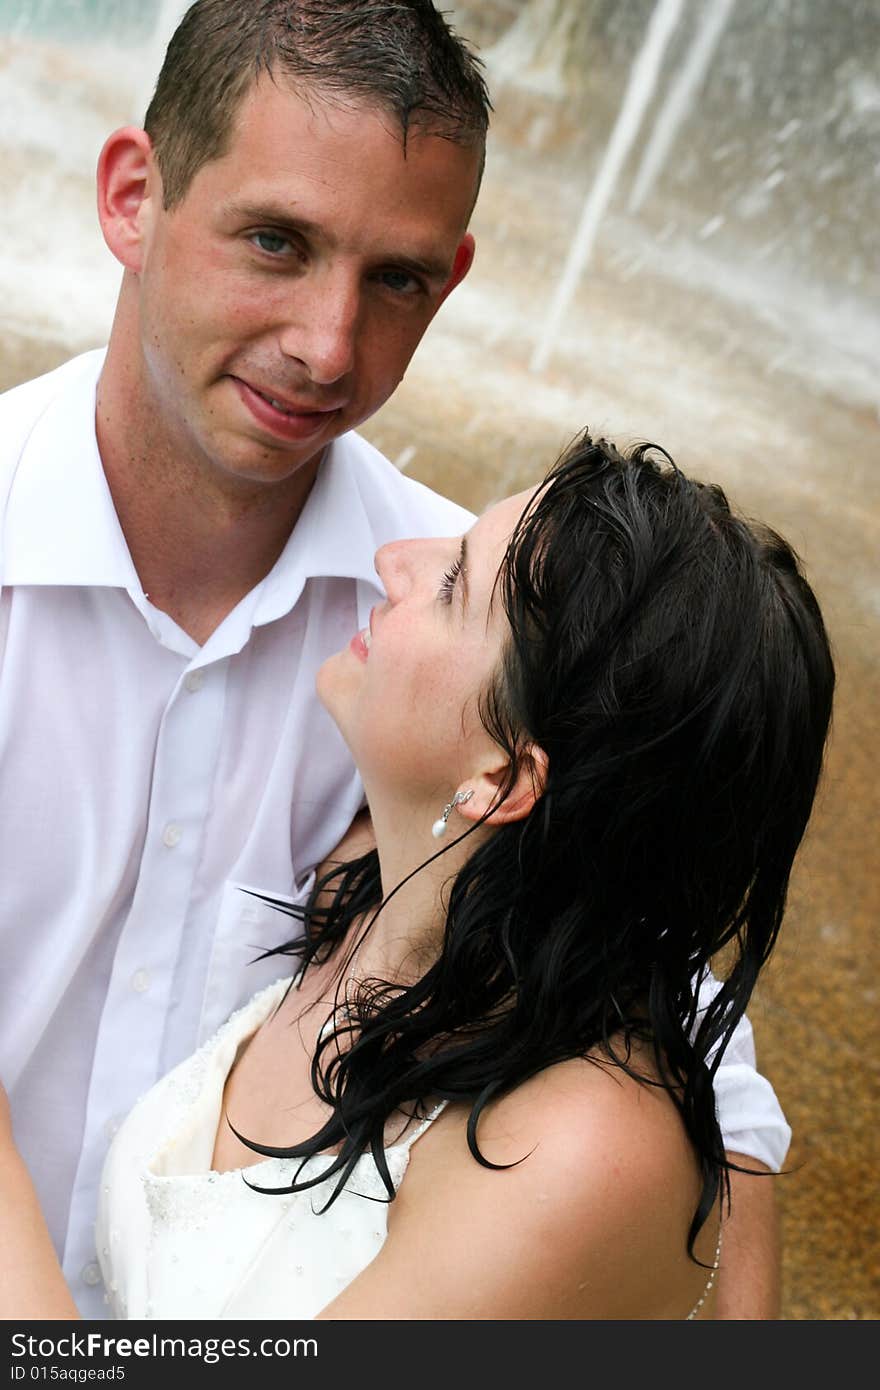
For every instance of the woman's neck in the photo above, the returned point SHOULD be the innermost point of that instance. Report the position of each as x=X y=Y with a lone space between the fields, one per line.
x=406 y=936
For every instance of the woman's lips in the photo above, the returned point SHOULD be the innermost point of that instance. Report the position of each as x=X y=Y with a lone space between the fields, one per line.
x=362 y=641
x=360 y=644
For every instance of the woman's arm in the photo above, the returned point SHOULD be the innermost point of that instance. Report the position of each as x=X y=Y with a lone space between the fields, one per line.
x=31 y=1283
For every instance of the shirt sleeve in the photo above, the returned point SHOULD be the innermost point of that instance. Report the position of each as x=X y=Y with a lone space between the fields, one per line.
x=751 y=1118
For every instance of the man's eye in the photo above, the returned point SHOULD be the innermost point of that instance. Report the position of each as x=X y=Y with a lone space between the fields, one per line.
x=272 y=242
x=401 y=281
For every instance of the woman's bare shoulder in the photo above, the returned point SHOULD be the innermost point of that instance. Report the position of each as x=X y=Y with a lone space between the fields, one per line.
x=584 y=1212
x=586 y=1124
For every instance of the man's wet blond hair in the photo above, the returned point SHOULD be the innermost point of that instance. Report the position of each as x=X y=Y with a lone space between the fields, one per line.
x=398 y=56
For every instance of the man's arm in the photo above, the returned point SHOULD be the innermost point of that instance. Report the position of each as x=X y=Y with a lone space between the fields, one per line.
x=357 y=840
x=749 y=1278
x=756 y=1136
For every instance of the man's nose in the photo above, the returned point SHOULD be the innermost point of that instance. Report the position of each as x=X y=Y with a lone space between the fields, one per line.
x=322 y=333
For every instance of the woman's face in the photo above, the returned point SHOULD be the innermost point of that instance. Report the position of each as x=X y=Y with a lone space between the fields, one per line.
x=405 y=692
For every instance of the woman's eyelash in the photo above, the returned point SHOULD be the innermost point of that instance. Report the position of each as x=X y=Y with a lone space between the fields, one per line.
x=448 y=582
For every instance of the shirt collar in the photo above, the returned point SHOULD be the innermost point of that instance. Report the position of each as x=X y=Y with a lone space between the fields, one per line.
x=333 y=538
x=61 y=526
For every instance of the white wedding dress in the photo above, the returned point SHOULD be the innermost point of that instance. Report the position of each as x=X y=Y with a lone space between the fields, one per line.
x=177 y=1240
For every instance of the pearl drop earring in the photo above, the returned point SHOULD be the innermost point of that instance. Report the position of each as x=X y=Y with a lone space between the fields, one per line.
x=438 y=829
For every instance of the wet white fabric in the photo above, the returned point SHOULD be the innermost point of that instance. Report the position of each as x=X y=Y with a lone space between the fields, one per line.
x=176 y=1240
x=179 y=1241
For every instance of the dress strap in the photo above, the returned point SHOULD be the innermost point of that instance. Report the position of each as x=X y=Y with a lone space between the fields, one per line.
x=420 y=1128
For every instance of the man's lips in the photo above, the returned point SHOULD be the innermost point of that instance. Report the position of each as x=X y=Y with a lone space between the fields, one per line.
x=282 y=415
x=286 y=403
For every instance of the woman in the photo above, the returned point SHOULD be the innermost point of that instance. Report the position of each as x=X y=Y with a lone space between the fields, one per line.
x=590 y=734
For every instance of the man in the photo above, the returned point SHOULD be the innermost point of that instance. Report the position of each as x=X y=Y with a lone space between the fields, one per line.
x=188 y=531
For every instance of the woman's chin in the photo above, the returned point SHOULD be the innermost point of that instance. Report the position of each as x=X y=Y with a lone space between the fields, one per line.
x=336 y=690
x=327 y=682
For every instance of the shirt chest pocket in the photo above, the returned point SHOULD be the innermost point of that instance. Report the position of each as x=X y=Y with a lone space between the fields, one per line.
x=250 y=921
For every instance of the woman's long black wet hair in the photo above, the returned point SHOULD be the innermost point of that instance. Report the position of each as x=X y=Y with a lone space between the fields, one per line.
x=672 y=662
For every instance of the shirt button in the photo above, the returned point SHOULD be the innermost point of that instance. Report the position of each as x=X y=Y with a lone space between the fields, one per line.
x=171 y=835
x=91 y=1275
x=194 y=680
x=140 y=981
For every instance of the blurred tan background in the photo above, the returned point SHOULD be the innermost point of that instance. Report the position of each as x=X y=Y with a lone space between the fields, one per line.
x=676 y=241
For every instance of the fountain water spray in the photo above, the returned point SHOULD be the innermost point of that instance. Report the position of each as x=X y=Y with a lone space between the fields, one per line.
x=680 y=99
x=642 y=81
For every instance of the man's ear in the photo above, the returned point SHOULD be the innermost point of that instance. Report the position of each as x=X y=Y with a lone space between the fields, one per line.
x=488 y=788
x=127 y=183
x=464 y=259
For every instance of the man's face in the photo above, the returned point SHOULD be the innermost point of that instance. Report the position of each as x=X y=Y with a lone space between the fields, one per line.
x=281 y=300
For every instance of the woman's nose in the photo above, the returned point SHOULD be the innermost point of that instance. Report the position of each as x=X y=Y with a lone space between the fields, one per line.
x=391 y=569
x=399 y=565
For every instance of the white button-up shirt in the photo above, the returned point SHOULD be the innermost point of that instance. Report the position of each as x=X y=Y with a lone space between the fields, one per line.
x=149 y=783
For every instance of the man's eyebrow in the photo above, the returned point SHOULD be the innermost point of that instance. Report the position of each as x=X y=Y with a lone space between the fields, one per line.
x=275 y=213
x=280 y=217
x=437 y=270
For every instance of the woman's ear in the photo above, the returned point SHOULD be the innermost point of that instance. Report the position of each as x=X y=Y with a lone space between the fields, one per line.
x=488 y=785
x=127 y=183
